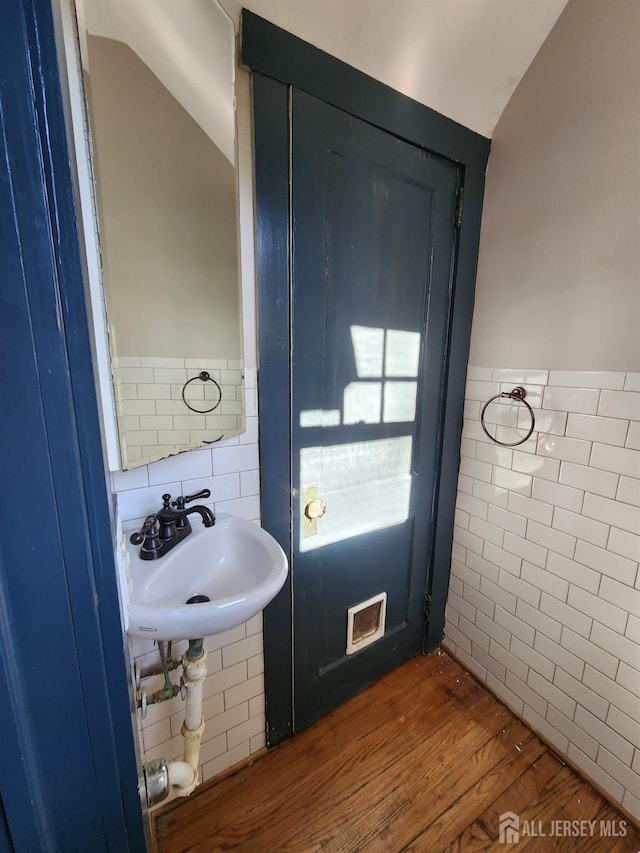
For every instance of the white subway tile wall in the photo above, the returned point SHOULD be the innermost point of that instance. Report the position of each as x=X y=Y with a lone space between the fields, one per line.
x=153 y=418
x=234 y=689
x=544 y=598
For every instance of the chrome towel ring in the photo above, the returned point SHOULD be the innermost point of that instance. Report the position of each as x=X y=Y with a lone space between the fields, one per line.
x=519 y=395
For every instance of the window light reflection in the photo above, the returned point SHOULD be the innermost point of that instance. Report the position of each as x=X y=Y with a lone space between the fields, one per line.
x=365 y=485
x=368 y=349
x=362 y=403
x=396 y=351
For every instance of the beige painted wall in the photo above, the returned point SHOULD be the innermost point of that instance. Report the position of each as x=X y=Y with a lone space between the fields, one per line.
x=559 y=268
x=167 y=198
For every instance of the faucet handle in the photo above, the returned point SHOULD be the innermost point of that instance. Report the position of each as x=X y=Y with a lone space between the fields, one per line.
x=180 y=502
x=147 y=528
x=166 y=499
x=182 y=522
x=198 y=496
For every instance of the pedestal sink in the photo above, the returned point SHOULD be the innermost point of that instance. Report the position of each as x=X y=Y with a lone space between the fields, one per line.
x=235 y=564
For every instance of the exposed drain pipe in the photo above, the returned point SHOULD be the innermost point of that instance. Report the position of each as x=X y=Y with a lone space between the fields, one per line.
x=161 y=775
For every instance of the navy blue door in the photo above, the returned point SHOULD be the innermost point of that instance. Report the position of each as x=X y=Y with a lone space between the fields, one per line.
x=373 y=222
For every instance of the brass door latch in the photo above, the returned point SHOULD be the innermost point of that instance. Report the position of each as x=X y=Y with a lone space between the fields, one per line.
x=314 y=508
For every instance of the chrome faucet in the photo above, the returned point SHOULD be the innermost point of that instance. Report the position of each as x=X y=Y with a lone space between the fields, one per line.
x=163 y=530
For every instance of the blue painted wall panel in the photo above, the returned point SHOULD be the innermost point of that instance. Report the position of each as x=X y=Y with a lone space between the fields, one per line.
x=69 y=779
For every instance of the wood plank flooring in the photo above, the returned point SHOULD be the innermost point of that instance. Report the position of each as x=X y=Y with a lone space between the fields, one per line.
x=426 y=760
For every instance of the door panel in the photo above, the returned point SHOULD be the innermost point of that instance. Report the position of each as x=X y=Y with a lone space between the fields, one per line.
x=386 y=570
x=372 y=255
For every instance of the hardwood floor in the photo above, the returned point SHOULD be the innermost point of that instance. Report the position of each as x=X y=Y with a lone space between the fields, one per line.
x=426 y=760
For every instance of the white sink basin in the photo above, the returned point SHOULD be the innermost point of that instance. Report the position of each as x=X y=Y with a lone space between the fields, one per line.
x=237 y=564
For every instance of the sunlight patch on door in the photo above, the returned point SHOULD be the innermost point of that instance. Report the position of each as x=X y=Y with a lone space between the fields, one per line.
x=365 y=485
x=320 y=418
x=390 y=356
x=368 y=350
x=399 y=402
x=362 y=402
x=402 y=353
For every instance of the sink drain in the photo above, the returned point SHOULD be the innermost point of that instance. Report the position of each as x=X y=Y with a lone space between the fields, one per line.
x=197 y=599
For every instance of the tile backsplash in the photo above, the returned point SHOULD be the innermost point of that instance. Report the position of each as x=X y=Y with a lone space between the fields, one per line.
x=234 y=688
x=544 y=596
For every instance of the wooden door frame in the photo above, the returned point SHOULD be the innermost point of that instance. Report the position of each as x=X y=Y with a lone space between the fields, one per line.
x=278 y=61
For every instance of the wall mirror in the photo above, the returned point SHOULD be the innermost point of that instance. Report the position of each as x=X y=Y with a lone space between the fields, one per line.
x=159 y=86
